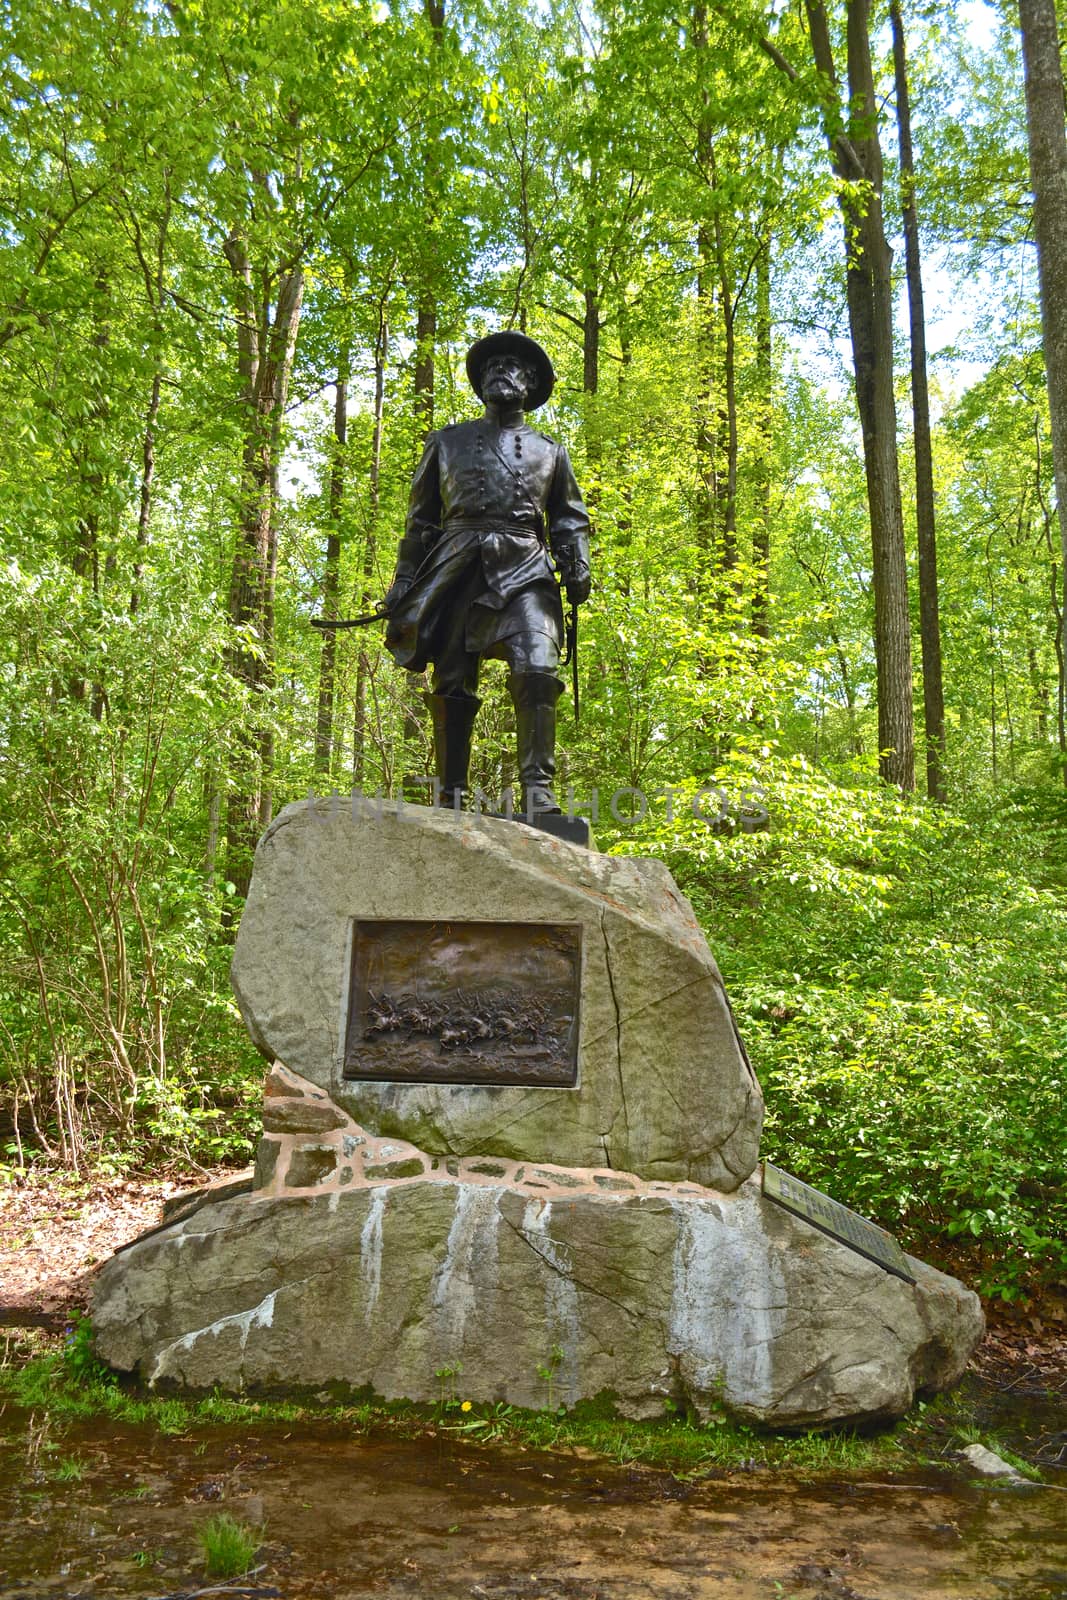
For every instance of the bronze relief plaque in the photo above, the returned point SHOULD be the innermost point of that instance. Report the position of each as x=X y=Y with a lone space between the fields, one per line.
x=464 y=1002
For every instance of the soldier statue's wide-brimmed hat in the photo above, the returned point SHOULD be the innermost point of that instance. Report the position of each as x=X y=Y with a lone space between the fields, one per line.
x=510 y=342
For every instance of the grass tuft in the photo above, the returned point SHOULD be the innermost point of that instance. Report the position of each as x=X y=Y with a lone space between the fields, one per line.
x=229 y=1546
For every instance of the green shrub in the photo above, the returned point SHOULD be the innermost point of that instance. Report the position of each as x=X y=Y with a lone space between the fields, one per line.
x=80 y=1360
x=899 y=972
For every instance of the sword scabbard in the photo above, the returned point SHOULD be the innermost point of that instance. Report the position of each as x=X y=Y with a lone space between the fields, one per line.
x=334 y=624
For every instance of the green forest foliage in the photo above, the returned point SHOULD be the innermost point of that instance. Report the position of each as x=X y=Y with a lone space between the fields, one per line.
x=895 y=970
x=214 y=214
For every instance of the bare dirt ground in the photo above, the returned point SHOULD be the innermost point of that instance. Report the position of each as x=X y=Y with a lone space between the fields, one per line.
x=54 y=1233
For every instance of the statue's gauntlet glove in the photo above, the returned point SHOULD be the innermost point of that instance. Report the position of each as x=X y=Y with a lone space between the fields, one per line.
x=575 y=575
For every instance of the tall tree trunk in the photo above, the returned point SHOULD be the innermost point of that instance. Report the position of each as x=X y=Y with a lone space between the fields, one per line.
x=857 y=160
x=213 y=808
x=591 y=340
x=425 y=351
x=86 y=555
x=761 y=533
x=154 y=274
x=148 y=473
x=591 y=326
x=266 y=344
x=726 y=486
x=1055 y=599
x=268 y=665
x=86 y=559
x=527 y=230
x=424 y=401
x=324 y=722
x=426 y=308
x=411 y=699
x=929 y=619
x=1039 y=696
x=706 y=411
x=1048 y=173
x=370 y=547
x=246 y=574
x=705 y=313
x=594 y=442
x=624 y=526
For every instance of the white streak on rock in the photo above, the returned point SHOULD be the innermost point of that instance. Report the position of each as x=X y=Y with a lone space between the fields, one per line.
x=370 y=1251
x=562 y=1323
x=261 y=1316
x=471 y=1247
x=726 y=1306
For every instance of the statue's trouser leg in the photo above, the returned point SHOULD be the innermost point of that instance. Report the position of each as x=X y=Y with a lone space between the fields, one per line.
x=453 y=723
x=534 y=695
x=453 y=703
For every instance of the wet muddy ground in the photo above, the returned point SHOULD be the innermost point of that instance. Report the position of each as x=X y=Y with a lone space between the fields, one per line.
x=345 y=1516
x=110 y=1511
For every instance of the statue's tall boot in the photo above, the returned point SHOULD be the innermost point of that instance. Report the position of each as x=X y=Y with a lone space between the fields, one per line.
x=453 y=723
x=534 y=695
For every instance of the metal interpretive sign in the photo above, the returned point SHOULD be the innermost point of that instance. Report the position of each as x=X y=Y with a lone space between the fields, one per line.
x=464 y=1002
x=846 y=1226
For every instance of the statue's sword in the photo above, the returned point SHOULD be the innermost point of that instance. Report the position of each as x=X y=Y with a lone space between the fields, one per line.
x=379 y=614
x=571 y=656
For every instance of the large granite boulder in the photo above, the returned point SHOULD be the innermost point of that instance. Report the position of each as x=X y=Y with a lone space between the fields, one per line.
x=592 y=1227
x=386 y=1268
x=664 y=1088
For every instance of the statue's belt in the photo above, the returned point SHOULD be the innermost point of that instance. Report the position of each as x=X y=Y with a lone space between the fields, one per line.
x=523 y=530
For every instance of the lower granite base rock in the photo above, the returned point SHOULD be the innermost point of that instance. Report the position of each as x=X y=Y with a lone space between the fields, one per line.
x=643 y=1294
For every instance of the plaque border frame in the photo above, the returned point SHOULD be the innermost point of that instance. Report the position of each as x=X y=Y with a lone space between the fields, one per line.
x=348 y=1085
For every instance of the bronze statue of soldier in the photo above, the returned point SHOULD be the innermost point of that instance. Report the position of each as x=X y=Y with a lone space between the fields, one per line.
x=494 y=513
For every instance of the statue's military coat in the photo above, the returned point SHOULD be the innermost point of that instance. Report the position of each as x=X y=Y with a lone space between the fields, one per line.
x=490 y=508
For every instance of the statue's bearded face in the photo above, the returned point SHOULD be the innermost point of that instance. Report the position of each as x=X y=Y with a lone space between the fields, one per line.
x=506 y=381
